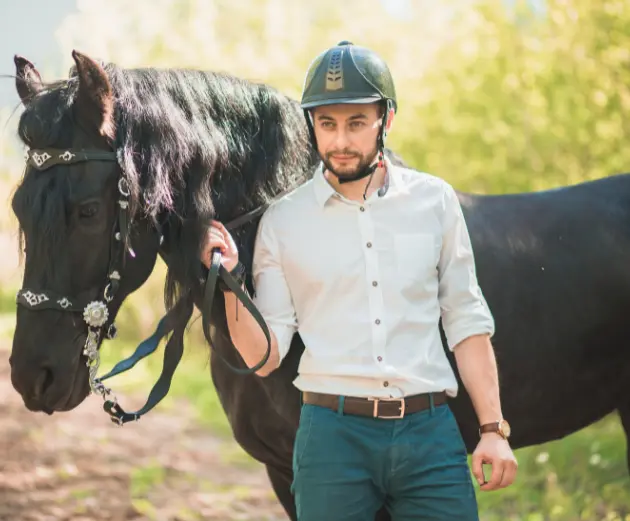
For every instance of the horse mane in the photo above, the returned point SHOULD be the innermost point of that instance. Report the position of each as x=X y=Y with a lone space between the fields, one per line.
x=194 y=146
x=205 y=145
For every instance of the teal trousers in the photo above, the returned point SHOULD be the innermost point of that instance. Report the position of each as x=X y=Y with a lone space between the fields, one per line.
x=347 y=467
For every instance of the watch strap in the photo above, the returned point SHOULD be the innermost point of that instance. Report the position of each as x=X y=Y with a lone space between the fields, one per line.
x=494 y=427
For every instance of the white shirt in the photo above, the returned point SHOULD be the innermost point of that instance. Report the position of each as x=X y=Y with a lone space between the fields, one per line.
x=365 y=284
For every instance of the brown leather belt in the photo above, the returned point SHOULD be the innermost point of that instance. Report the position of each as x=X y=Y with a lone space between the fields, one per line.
x=387 y=408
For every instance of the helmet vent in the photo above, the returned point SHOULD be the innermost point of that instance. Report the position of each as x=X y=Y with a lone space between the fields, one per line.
x=334 y=75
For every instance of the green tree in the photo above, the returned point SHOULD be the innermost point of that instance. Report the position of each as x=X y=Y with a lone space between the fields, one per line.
x=515 y=101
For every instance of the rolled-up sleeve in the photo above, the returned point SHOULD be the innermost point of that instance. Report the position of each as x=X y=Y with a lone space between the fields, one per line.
x=271 y=292
x=463 y=307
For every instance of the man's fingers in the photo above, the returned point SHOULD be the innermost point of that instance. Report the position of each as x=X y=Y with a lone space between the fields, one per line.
x=509 y=473
x=221 y=229
x=216 y=232
x=496 y=476
x=227 y=237
x=477 y=468
x=214 y=241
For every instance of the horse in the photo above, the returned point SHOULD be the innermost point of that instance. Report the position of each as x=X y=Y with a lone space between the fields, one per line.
x=128 y=164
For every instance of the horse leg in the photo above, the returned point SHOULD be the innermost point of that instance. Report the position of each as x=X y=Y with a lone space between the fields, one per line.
x=624 y=415
x=281 y=484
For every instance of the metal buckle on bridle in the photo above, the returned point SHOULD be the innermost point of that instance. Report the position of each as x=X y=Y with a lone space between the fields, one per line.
x=402 y=407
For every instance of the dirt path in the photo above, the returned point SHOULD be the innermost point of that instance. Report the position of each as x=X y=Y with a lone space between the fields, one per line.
x=78 y=466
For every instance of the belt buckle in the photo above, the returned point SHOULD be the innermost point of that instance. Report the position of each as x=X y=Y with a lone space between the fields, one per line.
x=397 y=417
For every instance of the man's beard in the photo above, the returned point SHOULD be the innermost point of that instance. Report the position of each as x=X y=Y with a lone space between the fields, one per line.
x=349 y=171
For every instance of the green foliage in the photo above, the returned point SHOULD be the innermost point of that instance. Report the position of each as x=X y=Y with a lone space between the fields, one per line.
x=517 y=102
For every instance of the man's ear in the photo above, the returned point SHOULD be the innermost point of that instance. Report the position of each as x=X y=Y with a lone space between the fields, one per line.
x=390 y=120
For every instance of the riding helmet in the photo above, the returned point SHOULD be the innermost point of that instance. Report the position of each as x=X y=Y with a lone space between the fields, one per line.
x=347 y=73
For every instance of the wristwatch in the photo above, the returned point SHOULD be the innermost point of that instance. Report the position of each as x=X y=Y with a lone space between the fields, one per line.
x=502 y=428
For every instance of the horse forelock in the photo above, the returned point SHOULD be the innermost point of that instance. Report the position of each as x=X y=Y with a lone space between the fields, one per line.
x=40 y=199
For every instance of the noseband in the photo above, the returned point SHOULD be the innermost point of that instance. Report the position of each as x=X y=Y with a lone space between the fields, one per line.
x=96 y=313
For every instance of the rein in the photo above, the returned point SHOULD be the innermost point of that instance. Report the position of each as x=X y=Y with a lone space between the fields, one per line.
x=96 y=313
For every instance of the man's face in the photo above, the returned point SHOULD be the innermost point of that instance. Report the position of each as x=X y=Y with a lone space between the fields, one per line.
x=346 y=136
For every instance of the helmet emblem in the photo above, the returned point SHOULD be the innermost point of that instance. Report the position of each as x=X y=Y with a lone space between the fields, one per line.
x=334 y=74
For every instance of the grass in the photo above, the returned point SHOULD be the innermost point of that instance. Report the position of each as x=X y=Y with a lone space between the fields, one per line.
x=143 y=479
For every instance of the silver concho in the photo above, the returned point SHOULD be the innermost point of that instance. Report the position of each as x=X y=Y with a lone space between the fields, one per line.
x=40 y=159
x=95 y=314
x=34 y=299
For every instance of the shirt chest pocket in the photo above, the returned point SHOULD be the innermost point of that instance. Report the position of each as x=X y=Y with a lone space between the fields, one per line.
x=416 y=255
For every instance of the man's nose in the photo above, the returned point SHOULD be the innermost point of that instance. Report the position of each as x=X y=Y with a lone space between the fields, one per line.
x=341 y=139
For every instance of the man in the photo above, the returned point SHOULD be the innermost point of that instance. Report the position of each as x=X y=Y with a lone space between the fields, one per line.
x=363 y=261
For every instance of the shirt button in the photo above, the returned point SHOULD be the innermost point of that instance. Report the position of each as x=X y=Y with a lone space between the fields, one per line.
x=377 y=321
x=385 y=384
x=362 y=209
x=374 y=283
x=379 y=358
x=369 y=244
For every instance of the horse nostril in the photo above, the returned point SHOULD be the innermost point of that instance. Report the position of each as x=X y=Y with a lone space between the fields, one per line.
x=43 y=382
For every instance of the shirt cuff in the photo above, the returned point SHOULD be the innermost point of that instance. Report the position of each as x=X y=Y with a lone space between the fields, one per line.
x=469 y=323
x=284 y=336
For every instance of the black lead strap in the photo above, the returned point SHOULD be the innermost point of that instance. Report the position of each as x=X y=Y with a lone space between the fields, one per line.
x=174 y=348
x=216 y=270
x=172 y=355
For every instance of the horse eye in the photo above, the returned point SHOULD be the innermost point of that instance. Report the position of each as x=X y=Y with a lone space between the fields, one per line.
x=88 y=210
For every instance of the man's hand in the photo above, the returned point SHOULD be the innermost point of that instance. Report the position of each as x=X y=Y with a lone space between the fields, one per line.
x=219 y=237
x=493 y=450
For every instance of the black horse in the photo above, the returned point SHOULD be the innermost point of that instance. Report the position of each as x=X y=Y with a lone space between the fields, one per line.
x=194 y=146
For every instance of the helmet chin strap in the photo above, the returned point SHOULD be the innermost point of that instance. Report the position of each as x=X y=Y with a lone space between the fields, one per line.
x=367 y=171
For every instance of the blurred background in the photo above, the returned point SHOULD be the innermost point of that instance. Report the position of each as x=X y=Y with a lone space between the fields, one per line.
x=495 y=96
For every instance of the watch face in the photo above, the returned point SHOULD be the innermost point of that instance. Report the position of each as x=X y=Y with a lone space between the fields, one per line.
x=505 y=427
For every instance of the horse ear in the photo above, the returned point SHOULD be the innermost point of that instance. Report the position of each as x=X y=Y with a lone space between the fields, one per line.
x=28 y=82
x=94 y=105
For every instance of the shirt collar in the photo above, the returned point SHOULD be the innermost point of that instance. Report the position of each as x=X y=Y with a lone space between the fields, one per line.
x=323 y=189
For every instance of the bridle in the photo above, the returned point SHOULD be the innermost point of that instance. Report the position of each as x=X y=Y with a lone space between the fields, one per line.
x=96 y=313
